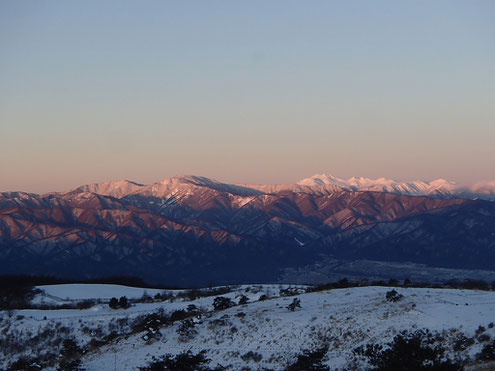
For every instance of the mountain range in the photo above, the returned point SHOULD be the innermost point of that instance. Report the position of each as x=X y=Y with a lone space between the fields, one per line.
x=317 y=184
x=190 y=230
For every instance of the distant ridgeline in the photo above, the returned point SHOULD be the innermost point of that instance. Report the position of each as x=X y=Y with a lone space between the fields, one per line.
x=193 y=231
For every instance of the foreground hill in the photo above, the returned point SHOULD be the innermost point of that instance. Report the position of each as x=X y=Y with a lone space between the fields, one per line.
x=261 y=333
x=220 y=233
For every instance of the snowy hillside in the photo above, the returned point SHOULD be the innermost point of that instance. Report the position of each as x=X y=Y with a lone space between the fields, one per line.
x=75 y=292
x=257 y=334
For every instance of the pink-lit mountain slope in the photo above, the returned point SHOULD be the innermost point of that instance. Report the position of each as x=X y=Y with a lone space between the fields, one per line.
x=317 y=184
x=195 y=231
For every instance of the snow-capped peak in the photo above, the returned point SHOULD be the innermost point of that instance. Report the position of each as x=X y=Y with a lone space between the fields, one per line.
x=118 y=188
x=324 y=181
x=320 y=180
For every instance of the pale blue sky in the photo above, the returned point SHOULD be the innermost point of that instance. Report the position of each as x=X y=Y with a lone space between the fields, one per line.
x=252 y=92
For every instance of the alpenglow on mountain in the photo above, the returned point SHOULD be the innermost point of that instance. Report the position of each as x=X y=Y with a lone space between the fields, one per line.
x=318 y=183
x=193 y=231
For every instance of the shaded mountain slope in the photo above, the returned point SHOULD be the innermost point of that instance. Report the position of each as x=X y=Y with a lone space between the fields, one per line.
x=196 y=231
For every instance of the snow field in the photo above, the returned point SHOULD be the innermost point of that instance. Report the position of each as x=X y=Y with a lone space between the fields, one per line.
x=85 y=291
x=343 y=319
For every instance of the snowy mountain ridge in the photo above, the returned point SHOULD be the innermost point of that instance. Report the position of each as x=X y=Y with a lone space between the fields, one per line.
x=414 y=188
x=317 y=184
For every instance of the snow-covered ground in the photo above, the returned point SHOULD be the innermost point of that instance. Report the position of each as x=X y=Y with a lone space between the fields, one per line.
x=85 y=291
x=341 y=319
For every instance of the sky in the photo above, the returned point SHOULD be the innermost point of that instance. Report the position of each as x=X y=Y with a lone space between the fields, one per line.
x=245 y=91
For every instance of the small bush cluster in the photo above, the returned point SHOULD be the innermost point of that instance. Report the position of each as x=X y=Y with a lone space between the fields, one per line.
x=189 y=295
x=419 y=350
x=487 y=353
x=85 y=304
x=393 y=296
x=47 y=343
x=462 y=342
x=153 y=321
x=186 y=330
x=310 y=360
x=194 y=294
x=163 y=296
x=179 y=315
x=191 y=308
x=24 y=364
x=181 y=362
x=243 y=300
x=251 y=356
x=122 y=303
x=70 y=354
x=221 y=303
x=74 y=365
x=296 y=303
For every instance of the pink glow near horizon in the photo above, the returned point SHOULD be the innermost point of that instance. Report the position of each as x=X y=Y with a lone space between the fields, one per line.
x=94 y=91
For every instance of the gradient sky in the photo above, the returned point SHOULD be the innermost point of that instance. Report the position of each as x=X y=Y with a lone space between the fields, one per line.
x=247 y=92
